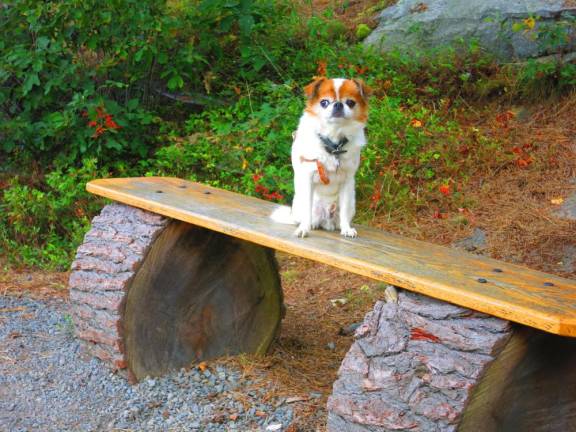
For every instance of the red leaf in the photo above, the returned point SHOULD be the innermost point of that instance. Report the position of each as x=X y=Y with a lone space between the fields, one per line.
x=423 y=335
x=321 y=69
x=445 y=189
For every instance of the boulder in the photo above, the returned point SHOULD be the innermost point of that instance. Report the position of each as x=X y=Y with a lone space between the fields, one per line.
x=501 y=27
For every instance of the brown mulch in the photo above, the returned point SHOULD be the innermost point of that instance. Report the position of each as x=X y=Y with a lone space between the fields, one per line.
x=514 y=201
x=35 y=284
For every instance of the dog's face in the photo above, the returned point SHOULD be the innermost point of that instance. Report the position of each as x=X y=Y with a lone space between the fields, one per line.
x=337 y=100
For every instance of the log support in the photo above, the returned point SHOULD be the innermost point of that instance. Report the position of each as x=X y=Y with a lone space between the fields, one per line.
x=420 y=364
x=151 y=294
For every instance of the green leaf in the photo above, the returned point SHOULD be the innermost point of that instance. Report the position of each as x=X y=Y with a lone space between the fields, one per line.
x=362 y=31
x=162 y=58
x=106 y=16
x=133 y=104
x=516 y=27
x=113 y=144
x=56 y=120
x=92 y=42
x=30 y=81
x=139 y=54
x=37 y=65
x=175 y=82
x=246 y=23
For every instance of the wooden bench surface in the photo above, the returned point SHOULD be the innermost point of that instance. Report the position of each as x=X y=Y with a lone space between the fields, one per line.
x=508 y=291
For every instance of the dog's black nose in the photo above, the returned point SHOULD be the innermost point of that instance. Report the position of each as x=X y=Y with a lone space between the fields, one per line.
x=338 y=110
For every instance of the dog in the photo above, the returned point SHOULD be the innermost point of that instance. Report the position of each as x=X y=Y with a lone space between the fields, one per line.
x=326 y=155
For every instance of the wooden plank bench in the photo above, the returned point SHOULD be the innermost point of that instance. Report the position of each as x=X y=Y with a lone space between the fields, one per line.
x=146 y=313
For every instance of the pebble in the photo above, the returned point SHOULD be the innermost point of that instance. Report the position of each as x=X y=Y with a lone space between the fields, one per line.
x=67 y=390
x=349 y=329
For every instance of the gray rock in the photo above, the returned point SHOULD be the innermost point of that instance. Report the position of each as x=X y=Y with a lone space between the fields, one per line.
x=349 y=329
x=411 y=25
x=476 y=242
x=568 y=208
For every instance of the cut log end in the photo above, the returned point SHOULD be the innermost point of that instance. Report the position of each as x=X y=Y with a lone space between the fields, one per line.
x=200 y=295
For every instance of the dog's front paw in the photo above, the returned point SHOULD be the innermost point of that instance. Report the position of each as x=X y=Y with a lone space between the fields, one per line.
x=349 y=232
x=302 y=231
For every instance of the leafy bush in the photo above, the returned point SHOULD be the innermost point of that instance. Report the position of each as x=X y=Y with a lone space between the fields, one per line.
x=244 y=147
x=556 y=73
x=81 y=78
x=43 y=224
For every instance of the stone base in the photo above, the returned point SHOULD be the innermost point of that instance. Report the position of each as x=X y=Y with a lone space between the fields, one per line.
x=413 y=366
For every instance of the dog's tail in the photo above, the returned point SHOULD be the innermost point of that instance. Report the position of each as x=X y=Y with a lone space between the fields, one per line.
x=283 y=215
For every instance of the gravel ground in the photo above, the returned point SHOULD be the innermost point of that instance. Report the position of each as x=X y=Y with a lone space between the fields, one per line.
x=46 y=384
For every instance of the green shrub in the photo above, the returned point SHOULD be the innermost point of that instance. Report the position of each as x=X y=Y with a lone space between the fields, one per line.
x=86 y=78
x=555 y=74
x=244 y=147
x=43 y=224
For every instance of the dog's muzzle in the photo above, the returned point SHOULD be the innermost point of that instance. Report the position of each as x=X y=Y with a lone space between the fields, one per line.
x=338 y=110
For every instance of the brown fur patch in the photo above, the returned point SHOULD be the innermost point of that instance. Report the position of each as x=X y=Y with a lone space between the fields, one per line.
x=358 y=92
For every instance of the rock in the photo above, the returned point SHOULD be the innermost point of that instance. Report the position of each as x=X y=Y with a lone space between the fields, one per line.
x=476 y=242
x=349 y=329
x=410 y=25
x=331 y=346
x=568 y=208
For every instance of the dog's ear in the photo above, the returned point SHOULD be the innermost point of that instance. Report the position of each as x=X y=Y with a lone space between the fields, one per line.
x=311 y=90
x=363 y=89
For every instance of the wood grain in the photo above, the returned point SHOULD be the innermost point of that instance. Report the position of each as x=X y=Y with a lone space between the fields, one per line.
x=529 y=387
x=511 y=292
x=200 y=295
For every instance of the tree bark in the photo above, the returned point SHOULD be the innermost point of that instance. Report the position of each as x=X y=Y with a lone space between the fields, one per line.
x=420 y=364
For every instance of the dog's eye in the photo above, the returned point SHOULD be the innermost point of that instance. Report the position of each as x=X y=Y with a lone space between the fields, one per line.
x=324 y=103
x=350 y=103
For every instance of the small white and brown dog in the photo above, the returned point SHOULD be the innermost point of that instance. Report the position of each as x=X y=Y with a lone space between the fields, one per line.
x=326 y=156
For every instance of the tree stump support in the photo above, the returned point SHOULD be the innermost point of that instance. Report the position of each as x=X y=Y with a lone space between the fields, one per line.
x=419 y=364
x=151 y=294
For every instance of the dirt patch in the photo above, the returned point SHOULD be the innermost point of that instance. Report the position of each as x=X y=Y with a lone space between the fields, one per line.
x=35 y=284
